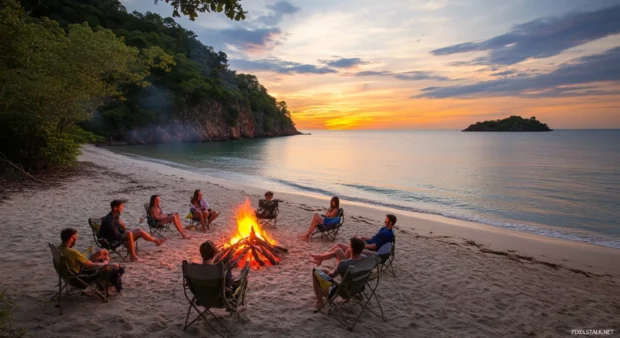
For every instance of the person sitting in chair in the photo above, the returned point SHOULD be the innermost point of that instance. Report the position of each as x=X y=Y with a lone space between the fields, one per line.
x=159 y=216
x=201 y=211
x=371 y=244
x=114 y=230
x=79 y=264
x=265 y=213
x=323 y=279
x=330 y=218
x=208 y=250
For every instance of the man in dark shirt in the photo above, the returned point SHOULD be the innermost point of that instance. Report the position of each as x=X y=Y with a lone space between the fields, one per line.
x=372 y=244
x=114 y=230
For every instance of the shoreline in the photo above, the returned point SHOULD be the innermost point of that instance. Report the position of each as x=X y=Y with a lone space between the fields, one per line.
x=585 y=256
x=451 y=280
x=557 y=231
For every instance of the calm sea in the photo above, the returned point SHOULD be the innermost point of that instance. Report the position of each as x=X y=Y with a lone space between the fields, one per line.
x=562 y=184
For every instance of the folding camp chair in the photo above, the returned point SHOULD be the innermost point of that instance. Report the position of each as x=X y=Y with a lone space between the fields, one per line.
x=94 y=280
x=271 y=207
x=330 y=231
x=117 y=248
x=205 y=285
x=195 y=222
x=155 y=227
x=356 y=287
x=386 y=257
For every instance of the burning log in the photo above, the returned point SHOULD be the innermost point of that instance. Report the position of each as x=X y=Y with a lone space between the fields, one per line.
x=258 y=251
x=250 y=243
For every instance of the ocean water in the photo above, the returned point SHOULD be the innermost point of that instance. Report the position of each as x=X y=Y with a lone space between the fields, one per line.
x=562 y=184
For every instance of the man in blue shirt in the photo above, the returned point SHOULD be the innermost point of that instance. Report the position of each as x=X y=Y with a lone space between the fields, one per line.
x=342 y=251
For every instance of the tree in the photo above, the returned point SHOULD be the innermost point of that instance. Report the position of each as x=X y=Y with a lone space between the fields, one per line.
x=191 y=8
x=51 y=79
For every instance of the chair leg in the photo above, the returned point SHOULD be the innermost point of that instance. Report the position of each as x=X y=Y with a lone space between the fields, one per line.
x=60 y=295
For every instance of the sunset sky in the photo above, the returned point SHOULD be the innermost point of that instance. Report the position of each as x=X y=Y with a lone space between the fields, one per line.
x=427 y=64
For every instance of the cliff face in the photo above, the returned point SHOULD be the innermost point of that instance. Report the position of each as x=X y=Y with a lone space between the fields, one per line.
x=209 y=123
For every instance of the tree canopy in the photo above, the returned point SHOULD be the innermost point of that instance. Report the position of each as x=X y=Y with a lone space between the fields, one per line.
x=52 y=78
x=191 y=8
x=76 y=70
x=512 y=123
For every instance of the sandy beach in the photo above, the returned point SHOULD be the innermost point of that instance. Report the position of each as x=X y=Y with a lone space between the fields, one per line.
x=454 y=279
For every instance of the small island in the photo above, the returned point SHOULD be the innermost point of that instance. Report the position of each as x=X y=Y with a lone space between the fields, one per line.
x=512 y=123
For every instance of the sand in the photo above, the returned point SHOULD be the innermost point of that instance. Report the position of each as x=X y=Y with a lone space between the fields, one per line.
x=454 y=279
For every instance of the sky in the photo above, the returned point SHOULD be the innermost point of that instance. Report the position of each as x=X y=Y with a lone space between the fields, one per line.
x=425 y=64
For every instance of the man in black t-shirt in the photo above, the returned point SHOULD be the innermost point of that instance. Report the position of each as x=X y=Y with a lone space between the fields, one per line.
x=115 y=231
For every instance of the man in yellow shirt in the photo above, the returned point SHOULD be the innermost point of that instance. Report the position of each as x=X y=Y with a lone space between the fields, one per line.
x=77 y=262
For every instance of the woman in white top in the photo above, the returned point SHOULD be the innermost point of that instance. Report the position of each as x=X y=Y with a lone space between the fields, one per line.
x=159 y=216
x=201 y=211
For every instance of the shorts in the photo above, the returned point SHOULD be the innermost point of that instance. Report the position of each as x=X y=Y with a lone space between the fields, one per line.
x=331 y=221
x=325 y=282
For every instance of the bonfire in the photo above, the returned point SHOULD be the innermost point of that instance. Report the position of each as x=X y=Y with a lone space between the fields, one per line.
x=250 y=242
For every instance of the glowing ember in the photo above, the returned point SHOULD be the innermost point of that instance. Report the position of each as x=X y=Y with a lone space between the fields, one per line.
x=250 y=242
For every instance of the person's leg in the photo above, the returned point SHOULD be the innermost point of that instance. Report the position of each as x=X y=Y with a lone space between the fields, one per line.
x=177 y=224
x=205 y=218
x=319 y=284
x=341 y=246
x=198 y=215
x=130 y=245
x=100 y=256
x=213 y=215
x=316 y=220
x=139 y=233
x=336 y=253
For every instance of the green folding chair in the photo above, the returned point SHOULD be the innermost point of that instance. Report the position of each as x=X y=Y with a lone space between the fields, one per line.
x=356 y=287
x=204 y=286
x=93 y=280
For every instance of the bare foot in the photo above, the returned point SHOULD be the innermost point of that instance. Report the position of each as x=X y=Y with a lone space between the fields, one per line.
x=187 y=236
x=136 y=259
x=315 y=259
x=319 y=305
x=204 y=229
x=161 y=241
x=304 y=238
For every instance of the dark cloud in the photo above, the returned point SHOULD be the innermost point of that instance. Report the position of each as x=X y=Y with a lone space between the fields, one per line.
x=279 y=66
x=588 y=69
x=542 y=38
x=407 y=76
x=344 y=62
x=261 y=38
x=278 y=9
x=504 y=73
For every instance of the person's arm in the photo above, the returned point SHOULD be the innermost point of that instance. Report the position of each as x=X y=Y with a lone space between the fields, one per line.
x=156 y=216
x=365 y=238
x=332 y=213
x=122 y=224
x=372 y=247
x=332 y=273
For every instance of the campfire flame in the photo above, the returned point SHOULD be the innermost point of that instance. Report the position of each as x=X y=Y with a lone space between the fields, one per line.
x=246 y=220
x=250 y=243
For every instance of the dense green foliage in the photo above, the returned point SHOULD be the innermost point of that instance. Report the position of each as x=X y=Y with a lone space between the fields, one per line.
x=191 y=8
x=512 y=123
x=53 y=78
x=200 y=76
x=72 y=71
